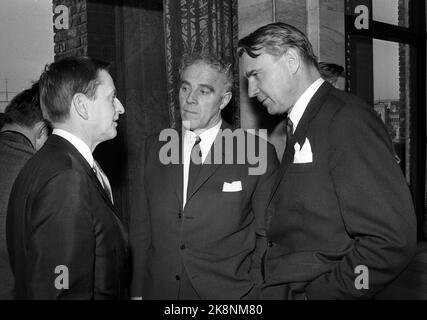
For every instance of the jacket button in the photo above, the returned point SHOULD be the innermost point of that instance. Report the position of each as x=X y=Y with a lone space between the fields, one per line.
x=270 y=243
x=177 y=277
x=182 y=246
x=179 y=215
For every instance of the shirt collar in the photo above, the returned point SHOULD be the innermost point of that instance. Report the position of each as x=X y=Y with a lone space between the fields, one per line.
x=82 y=147
x=303 y=101
x=207 y=138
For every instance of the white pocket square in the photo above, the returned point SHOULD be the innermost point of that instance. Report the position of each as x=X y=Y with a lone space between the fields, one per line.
x=303 y=154
x=235 y=186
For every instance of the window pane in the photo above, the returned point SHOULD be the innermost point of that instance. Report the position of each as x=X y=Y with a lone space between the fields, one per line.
x=391 y=95
x=394 y=12
x=26 y=35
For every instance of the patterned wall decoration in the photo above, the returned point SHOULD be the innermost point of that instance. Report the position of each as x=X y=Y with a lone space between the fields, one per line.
x=200 y=25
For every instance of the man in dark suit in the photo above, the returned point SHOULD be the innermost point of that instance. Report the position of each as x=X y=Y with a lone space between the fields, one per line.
x=197 y=225
x=341 y=223
x=64 y=236
x=23 y=133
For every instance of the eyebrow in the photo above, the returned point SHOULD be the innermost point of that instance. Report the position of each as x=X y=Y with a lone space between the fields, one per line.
x=251 y=73
x=200 y=85
x=207 y=87
x=184 y=82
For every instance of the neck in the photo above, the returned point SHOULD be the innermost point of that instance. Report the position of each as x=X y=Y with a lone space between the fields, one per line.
x=306 y=78
x=22 y=130
x=78 y=132
x=213 y=124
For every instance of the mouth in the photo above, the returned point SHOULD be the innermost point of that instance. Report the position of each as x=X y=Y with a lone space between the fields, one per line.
x=262 y=99
x=190 y=112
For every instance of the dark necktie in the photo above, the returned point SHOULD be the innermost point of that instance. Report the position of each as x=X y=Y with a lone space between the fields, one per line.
x=289 y=133
x=102 y=177
x=195 y=166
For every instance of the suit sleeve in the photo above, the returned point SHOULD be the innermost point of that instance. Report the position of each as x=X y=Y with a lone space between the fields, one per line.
x=60 y=254
x=139 y=226
x=376 y=207
x=260 y=200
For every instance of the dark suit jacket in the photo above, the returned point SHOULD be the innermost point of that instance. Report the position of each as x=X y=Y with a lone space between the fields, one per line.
x=351 y=206
x=15 y=151
x=219 y=237
x=59 y=215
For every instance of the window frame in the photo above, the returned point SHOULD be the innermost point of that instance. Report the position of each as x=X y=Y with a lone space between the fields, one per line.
x=415 y=36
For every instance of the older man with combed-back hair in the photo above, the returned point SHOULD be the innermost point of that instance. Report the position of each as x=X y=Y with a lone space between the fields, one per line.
x=197 y=226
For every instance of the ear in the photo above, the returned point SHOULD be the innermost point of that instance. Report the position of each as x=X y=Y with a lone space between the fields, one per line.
x=225 y=100
x=292 y=60
x=79 y=103
x=38 y=129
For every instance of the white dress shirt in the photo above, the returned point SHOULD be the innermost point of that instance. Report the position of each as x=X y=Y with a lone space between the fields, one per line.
x=84 y=150
x=207 y=139
x=303 y=101
x=78 y=143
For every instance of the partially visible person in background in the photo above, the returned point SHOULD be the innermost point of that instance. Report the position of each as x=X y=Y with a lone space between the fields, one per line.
x=23 y=133
x=333 y=73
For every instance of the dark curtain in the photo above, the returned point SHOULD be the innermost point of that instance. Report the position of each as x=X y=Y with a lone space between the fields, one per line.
x=200 y=25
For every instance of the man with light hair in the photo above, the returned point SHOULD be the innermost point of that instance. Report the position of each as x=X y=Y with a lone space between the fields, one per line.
x=341 y=223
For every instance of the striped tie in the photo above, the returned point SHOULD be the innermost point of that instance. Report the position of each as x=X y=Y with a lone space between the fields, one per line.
x=103 y=179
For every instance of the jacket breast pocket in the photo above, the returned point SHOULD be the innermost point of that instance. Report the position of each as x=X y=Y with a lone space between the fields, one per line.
x=301 y=167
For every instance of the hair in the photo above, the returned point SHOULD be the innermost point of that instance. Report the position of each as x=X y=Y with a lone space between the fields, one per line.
x=212 y=61
x=331 y=71
x=276 y=39
x=62 y=79
x=24 y=109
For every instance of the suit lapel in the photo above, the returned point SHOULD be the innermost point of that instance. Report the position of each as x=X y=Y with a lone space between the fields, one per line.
x=208 y=170
x=300 y=134
x=107 y=200
x=85 y=167
x=104 y=194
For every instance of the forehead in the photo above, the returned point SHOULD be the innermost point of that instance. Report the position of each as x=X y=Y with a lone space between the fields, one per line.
x=202 y=73
x=263 y=60
x=106 y=83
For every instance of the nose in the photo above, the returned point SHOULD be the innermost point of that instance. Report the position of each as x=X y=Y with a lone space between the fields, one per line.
x=252 y=88
x=191 y=97
x=119 y=107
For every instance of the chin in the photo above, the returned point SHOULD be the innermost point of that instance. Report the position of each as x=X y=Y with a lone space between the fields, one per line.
x=112 y=134
x=275 y=109
x=187 y=124
x=271 y=109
